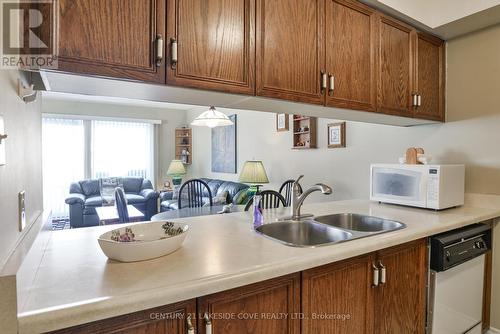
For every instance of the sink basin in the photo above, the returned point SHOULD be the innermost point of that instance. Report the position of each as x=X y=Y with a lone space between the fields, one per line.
x=360 y=223
x=303 y=234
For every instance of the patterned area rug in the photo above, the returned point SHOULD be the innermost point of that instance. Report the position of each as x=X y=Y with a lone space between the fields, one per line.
x=60 y=224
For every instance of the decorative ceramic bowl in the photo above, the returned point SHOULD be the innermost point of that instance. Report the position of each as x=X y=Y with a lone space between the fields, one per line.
x=143 y=241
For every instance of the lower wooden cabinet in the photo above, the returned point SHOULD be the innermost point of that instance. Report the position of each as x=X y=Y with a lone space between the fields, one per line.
x=338 y=298
x=266 y=307
x=400 y=302
x=382 y=292
x=170 y=319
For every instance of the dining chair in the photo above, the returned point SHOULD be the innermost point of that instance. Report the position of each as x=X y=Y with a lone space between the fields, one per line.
x=286 y=190
x=191 y=194
x=121 y=205
x=270 y=200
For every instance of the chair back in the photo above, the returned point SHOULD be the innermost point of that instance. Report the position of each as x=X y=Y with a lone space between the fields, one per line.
x=286 y=190
x=191 y=194
x=121 y=205
x=270 y=200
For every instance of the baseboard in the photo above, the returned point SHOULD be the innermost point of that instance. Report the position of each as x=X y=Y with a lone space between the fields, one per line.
x=493 y=331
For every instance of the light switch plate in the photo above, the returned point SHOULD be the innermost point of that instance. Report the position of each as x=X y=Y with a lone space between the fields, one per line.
x=2 y=143
x=22 y=210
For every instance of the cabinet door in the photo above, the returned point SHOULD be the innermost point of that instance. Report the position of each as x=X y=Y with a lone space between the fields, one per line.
x=290 y=49
x=170 y=319
x=395 y=72
x=350 y=55
x=429 y=77
x=338 y=298
x=269 y=307
x=400 y=302
x=113 y=38
x=215 y=44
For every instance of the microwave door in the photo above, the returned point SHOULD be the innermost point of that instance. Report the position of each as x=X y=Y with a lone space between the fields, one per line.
x=400 y=186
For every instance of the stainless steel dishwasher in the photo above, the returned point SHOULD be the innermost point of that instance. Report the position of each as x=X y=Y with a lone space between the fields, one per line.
x=455 y=295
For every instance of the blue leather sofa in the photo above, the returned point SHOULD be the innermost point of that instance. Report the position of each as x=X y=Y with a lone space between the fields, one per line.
x=84 y=197
x=236 y=194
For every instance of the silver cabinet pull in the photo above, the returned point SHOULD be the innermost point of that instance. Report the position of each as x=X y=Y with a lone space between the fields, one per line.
x=189 y=325
x=383 y=273
x=323 y=81
x=208 y=324
x=159 y=50
x=173 y=49
x=414 y=99
x=376 y=275
x=419 y=100
x=332 y=84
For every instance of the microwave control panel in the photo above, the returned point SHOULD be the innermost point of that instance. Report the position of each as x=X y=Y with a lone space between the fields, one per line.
x=433 y=188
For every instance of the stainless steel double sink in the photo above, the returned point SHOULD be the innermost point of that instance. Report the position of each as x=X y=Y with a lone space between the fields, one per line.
x=327 y=230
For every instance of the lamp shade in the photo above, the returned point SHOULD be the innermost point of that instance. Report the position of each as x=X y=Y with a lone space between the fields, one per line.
x=253 y=172
x=176 y=168
x=212 y=118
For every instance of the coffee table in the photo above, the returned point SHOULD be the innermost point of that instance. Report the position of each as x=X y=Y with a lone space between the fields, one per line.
x=109 y=215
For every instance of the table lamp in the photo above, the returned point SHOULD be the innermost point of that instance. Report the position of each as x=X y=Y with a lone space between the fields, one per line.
x=253 y=173
x=176 y=170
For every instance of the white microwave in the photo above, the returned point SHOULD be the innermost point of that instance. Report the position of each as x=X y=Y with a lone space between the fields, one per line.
x=435 y=187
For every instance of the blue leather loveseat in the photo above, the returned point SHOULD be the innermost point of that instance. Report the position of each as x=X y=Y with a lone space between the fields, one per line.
x=84 y=197
x=233 y=192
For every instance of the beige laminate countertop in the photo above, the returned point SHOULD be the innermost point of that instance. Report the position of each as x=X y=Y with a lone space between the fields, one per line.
x=75 y=283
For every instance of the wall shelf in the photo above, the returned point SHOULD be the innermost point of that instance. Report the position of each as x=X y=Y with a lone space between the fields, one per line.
x=184 y=145
x=304 y=132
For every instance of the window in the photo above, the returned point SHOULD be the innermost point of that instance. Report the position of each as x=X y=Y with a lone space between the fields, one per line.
x=77 y=149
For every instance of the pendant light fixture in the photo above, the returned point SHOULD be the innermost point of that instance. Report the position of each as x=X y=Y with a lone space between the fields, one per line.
x=212 y=118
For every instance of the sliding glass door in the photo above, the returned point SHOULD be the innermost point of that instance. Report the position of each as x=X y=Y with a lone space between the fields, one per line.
x=77 y=149
x=63 y=153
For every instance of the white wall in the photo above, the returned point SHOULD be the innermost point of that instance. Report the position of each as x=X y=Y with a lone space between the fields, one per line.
x=23 y=170
x=171 y=119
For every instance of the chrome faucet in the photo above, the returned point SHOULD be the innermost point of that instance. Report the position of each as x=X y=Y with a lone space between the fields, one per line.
x=298 y=199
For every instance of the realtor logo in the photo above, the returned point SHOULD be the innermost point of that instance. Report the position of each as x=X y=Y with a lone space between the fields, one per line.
x=27 y=37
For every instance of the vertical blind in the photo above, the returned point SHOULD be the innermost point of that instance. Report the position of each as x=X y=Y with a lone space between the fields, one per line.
x=75 y=149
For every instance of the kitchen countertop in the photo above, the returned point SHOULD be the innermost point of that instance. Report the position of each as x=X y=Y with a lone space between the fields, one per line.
x=75 y=283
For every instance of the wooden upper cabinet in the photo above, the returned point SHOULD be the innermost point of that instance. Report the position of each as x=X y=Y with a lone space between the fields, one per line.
x=429 y=77
x=342 y=291
x=395 y=71
x=112 y=38
x=267 y=307
x=215 y=44
x=170 y=319
x=400 y=302
x=290 y=49
x=350 y=55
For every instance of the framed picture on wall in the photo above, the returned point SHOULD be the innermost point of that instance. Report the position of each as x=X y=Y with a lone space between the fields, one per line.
x=336 y=135
x=282 y=122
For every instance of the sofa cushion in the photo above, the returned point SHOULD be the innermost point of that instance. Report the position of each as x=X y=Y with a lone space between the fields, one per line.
x=217 y=200
x=93 y=201
x=169 y=205
x=134 y=199
x=213 y=185
x=232 y=188
x=90 y=187
x=132 y=184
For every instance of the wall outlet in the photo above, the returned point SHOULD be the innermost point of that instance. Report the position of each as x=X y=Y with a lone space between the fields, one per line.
x=22 y=210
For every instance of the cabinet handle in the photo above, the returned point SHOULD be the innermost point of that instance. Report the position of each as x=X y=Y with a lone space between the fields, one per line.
x=332 y=84
x=419 y=100
x=173 y=48
x=323 y=81
x=376 y=275
x=208 y=324
x=159 y=50
x=414 y=99
x=383 y=273
x=189 y=325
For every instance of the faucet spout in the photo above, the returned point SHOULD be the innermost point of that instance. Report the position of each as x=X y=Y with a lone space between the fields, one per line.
x=298 y=198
